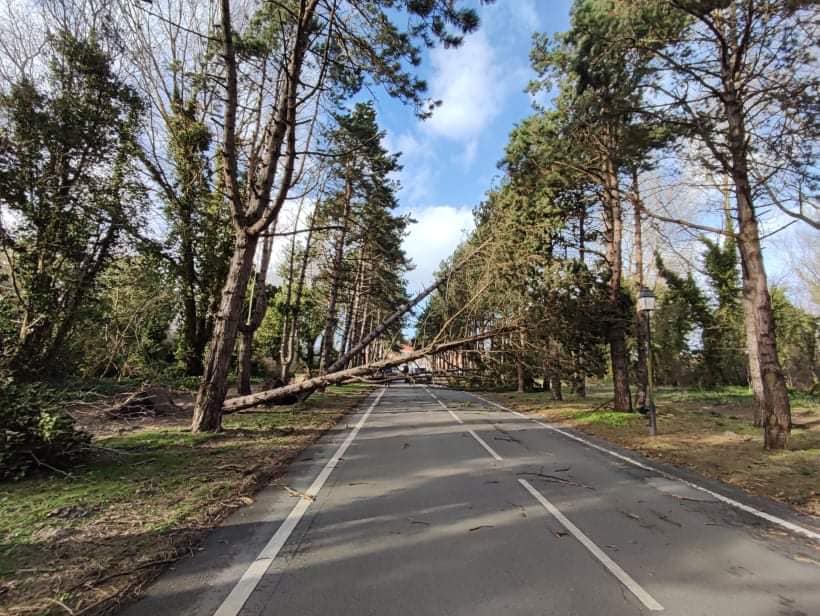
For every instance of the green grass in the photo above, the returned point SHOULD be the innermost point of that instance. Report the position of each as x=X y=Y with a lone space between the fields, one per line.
x=138 y=486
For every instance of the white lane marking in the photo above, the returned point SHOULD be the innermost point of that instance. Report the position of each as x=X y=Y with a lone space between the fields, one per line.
x=724 y=499
x=480 y=440
x=234 y=602
x=613 y=567
x=485 y=445
x=444 y=406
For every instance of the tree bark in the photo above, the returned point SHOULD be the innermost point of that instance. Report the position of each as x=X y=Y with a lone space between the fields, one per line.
x=214 y=385
x=750 y=327
x=777 y=408
x=617 y=330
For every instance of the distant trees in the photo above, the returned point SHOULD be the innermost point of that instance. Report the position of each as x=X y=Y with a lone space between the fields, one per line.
x=727 y=87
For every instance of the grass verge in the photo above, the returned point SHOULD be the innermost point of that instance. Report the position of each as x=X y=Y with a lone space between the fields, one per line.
x=79 y=544
x=709 y=432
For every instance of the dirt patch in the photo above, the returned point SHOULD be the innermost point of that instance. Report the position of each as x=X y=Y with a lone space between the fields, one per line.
x=103 y=416
x=81 y=544
x=707 y=433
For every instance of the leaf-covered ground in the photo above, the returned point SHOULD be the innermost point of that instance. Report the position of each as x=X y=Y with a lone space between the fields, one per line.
x=77 y=544
x=709 y=432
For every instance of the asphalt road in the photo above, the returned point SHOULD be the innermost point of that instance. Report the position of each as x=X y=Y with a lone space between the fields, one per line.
x=433 y=502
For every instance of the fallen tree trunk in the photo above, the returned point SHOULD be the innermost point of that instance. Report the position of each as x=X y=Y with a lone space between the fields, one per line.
x=309 y=385
x=342 y=361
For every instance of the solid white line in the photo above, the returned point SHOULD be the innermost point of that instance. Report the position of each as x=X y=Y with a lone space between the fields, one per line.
x=625 y=579
x=480 y=440
x=724 y=499
x=234 y=602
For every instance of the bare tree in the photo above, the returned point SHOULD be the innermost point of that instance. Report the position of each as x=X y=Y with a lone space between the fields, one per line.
x=740 y=79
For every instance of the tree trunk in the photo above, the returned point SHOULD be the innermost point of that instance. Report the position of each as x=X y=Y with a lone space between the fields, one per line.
x=777 y=409
x=214 y=385
x=641 y=319
x=555 y=385
x=245 y=356
x=338 y=261
x=187 y=269
x=519 y=372
x=617 y=330
x=755 y=376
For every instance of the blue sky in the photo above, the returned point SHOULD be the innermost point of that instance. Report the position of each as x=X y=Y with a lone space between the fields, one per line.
x=451 y=159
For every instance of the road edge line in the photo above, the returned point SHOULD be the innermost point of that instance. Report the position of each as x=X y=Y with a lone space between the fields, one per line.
x=724 y=499
x=241 y=592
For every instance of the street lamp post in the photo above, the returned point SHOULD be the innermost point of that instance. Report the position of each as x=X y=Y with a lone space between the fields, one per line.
x=646 y=304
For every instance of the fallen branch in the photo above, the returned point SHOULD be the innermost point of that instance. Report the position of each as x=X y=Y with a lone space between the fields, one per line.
x=146 y=565
x=243 y=402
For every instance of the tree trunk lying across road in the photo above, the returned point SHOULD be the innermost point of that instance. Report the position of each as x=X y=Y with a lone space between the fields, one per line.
x=243 y=402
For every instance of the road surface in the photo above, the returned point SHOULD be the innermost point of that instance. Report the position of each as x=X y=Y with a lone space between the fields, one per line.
x=433 y=502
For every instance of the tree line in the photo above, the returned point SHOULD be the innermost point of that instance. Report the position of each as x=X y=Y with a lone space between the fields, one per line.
x=190 y=189
x=643 y=92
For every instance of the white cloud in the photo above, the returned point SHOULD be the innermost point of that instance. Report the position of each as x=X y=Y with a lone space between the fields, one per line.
x=471 y=85
x=418 y=173
x=470 y=152
x=437 y=232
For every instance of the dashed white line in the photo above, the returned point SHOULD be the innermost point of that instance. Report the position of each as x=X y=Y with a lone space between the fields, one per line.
x=483 y=443
x=234 y=602
x=480 y=440
x=613 y=567
x=724 y=499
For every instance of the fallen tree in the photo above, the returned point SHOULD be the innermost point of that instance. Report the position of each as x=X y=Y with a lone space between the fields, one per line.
x=403 y=309
x=272 y=395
